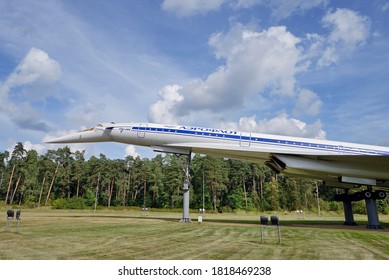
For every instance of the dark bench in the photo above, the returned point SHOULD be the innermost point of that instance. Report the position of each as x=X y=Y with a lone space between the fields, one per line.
x=274 y=223
x=11 y=217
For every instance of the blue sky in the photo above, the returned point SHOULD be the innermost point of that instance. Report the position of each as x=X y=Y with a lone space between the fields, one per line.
x=305 y=68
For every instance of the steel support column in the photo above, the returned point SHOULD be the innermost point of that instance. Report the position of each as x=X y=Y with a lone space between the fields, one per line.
x=348 y=213
x=372 y=214
x=373 y=221
x=185 y=191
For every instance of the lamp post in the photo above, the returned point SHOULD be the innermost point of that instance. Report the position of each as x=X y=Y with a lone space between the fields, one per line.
x=203 y=191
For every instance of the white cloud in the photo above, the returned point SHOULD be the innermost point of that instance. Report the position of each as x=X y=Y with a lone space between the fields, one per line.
x=36 y=69
x=255 y=63
x=131 y=151
x=28 y=146
x=40 y=148
x=347 y=26
x=161 y=111
x=282 y=9
x=248 y=124
x=308 y=103
x=31 y=80
x=265 y=64
x=282 y=124
x=191 y=7
x=385 y=7
x=87 y=113
x=26 y=117
x=246 y=4
x=106 y=65
x=348 y=31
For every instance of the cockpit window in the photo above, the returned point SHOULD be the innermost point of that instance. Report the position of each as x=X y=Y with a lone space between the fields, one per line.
x=99 y=125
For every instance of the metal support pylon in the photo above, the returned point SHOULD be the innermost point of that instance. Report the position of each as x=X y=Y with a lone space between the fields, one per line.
x=185 y=193
x=371 y=210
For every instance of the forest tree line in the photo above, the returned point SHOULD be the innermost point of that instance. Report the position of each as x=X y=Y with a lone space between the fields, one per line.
x=65 y=179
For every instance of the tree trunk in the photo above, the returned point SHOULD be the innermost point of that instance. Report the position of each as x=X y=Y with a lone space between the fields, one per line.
x=245 y=193
x=21 y=194
x=10 y=183
x=214 y=199
x=97 y=191
x=16 y=188
x=110 y=191
x=69 y=194
x=78 y=185
x=52 y=183
x=144 y=194
x=135 y=195
x=154 y=197
x=127 y=188
x=254 y=183
x=109 y=195
x=40 y=194
x=124 y=195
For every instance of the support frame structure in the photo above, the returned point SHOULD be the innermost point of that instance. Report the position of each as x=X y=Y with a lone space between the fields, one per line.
x=370 y=198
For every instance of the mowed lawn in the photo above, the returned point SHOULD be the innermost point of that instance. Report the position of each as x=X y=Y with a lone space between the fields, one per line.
x=109 y=234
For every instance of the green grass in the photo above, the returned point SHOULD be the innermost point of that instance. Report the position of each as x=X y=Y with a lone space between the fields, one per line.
x=108 y=234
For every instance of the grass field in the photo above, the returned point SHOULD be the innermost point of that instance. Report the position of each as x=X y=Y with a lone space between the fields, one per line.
x=109 y=234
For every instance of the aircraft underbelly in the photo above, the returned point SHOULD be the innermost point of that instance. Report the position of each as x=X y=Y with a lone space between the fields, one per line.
x=315 y=168
x=239 y=155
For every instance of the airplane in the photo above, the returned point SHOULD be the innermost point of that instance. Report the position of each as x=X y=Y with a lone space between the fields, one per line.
x=337 y=164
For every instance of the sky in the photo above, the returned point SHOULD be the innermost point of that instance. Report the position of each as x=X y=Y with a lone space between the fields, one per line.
x=316 y=69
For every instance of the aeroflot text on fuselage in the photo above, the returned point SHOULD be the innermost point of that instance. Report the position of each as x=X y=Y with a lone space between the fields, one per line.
x=203 y=129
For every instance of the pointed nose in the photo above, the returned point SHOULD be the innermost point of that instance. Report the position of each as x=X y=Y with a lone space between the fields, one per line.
x=82 y=137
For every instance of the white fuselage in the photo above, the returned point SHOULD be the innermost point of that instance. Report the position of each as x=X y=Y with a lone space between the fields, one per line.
x=149 y=134
x=322 y=159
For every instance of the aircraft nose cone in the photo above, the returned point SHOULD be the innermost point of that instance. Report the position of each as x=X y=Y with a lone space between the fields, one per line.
x=81 y=137
x=71 y=138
